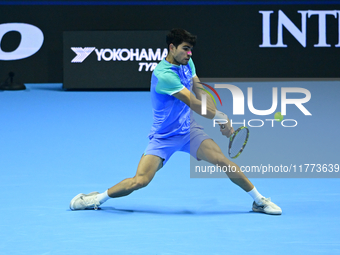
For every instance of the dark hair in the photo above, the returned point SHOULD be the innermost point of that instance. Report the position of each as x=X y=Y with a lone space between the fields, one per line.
x=177 y=36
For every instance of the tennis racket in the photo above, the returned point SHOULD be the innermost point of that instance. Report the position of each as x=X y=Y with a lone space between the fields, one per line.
x=237 y=141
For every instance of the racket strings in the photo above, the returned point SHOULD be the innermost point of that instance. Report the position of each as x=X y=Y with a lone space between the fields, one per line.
x=238 y=142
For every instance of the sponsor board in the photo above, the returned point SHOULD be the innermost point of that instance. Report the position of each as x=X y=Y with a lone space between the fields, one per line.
x=112 y=59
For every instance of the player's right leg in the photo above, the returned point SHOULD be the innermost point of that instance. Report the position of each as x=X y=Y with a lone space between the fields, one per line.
x=146 y=170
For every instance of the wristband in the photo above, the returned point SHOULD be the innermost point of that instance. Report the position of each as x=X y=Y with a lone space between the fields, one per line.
x=220 y=115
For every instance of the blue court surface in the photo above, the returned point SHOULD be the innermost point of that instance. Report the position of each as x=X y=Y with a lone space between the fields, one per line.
x=56 y=144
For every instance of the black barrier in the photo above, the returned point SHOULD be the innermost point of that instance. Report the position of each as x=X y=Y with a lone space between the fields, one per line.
x=237 y=41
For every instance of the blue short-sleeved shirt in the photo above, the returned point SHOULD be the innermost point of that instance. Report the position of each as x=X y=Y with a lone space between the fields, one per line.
x=171 y=116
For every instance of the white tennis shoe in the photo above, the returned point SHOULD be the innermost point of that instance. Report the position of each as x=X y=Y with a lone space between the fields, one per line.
x=85 y=201
x=267 y=207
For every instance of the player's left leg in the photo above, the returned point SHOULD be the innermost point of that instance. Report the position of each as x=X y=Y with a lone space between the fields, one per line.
x=211 y=152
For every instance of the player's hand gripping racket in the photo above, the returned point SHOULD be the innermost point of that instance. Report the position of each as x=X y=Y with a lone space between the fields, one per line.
x=237 y=141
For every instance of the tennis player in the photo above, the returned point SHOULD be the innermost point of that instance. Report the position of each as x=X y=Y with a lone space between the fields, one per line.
x=173 y=130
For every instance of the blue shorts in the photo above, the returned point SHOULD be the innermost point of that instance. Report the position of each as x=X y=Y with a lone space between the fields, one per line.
x=165 y=147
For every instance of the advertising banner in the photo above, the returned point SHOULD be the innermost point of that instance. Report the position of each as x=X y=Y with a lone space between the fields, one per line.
x=248 y=41
x=111 y=59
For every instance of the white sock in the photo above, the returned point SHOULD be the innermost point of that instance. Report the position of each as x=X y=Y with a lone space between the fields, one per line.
x=255 y=195
x=103 y=197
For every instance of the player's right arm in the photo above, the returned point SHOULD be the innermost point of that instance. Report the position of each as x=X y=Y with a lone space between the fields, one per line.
x=169 y=83
x=190 y=100
x=195 y=104
x=198 y=90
